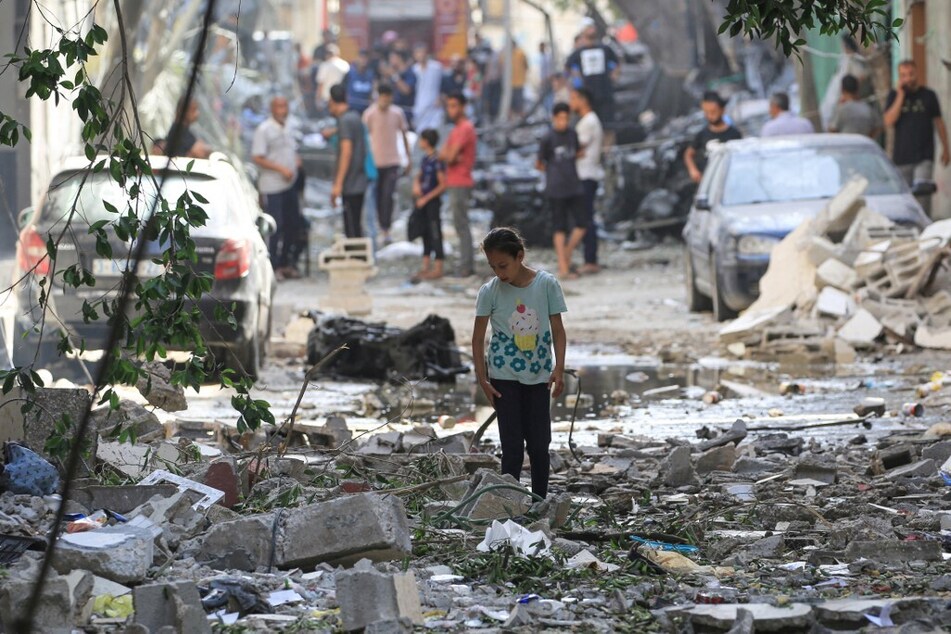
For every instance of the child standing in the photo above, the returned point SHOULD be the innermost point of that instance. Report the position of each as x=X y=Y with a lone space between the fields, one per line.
x=556 y=156
x=429 y=185
x=524 y=307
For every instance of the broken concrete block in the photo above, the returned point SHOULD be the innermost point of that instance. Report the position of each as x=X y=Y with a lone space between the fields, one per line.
x=120 y=553
x=156 y=386
x=925 y=337
x=821 y=249
x=36 y=426
x=835 y=274
x=120 y=498
x=766 y=618
x=677 y=469
x=367 y=596
x=220 y=550
x=497 y=504
x=343 y=531
x=940 y=452
x=130 y=415
x=861 y=330
x=717 y=459
x=176 y=605
x=920 y=469
x=771 y=547
x=835 y=303
x=843 y=352
x=735 y=435
x=60 y=606
x=815 y=469
x=839 y=214
x=895 y=552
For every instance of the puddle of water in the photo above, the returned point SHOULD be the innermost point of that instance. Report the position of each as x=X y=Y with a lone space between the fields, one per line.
x=598 y=382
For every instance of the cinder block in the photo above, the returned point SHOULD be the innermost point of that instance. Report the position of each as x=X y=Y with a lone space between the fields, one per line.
x=836 y=274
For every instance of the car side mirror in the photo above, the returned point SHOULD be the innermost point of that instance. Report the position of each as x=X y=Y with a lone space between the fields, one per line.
x=267 y=225
x=924 y=188
x=702 y=203
x=24 y=217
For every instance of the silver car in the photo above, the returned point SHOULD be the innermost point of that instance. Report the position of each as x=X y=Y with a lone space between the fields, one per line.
x=755 y=191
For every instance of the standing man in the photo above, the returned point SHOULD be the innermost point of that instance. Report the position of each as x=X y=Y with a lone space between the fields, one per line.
x=783 y=122
x=914 y=112
x=519 y=79
x=332 y=70
x=360 y=81
x=403 y=80
x=350 y=181
x=545 y=67
x=275 y=152
x=458 y=154
x=853 y=115
x=454 y=81
x=385 y=123
x=186 y=143
x=595 y=67
x=427 y=110
x=590 y=171
x=695 y=156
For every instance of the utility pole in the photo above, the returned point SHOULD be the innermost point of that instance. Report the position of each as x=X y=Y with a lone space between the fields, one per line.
x=506 y=106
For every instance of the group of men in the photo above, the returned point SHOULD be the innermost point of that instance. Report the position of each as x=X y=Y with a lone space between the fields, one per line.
x=911 y=110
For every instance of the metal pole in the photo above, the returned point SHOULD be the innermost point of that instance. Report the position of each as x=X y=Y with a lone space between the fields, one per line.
x=506 y=106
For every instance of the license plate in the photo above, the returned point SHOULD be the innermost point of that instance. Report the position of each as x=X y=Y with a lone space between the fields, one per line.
x=114 y=268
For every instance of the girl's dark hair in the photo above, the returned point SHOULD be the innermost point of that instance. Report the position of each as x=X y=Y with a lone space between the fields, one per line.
x=504 y=240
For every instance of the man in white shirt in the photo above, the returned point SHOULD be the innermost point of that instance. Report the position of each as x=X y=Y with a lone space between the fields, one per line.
x=427 y=110
x=330 y=73
x=783 y=122
x=591 y=140
x=274 y=151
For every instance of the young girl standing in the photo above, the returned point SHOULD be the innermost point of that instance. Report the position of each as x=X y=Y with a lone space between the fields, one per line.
x=522 y=371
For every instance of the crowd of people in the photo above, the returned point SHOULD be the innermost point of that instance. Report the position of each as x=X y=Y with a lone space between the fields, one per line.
x=912 y=111
x=394 y=88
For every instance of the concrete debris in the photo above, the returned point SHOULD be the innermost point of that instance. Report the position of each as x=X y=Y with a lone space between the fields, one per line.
x=367 y=597
x=341 y=531
x=855 y=275
x=119 y=553
x=174 y=605
x=156 y=386
x=678 y=470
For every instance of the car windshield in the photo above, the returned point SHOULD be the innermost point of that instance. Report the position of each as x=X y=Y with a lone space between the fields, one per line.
x=100 y=188
x=805 y=173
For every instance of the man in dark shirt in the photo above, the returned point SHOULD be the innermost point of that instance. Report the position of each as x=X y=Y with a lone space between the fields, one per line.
x=594 y=66
x=914 y=112
x=350 y=181
x=185 y=142
x=557 y=154
x=695 y=156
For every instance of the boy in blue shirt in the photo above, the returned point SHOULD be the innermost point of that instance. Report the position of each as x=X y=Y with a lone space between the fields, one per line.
x=429 y=185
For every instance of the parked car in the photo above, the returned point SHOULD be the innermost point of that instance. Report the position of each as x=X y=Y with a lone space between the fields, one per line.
x=231 y=247
x=755 y=191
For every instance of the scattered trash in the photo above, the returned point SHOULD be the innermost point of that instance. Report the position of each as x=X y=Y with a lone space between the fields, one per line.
x=522 y=540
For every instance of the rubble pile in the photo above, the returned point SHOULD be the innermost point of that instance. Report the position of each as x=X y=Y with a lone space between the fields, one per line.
x=846 y=280
x=745 y=528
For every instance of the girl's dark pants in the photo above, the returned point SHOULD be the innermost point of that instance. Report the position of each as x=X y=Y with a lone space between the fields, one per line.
x=524 y=425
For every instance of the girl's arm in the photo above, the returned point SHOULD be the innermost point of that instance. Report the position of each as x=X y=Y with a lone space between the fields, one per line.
x=478 y=359
x=441 y=187
x=557 y=381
